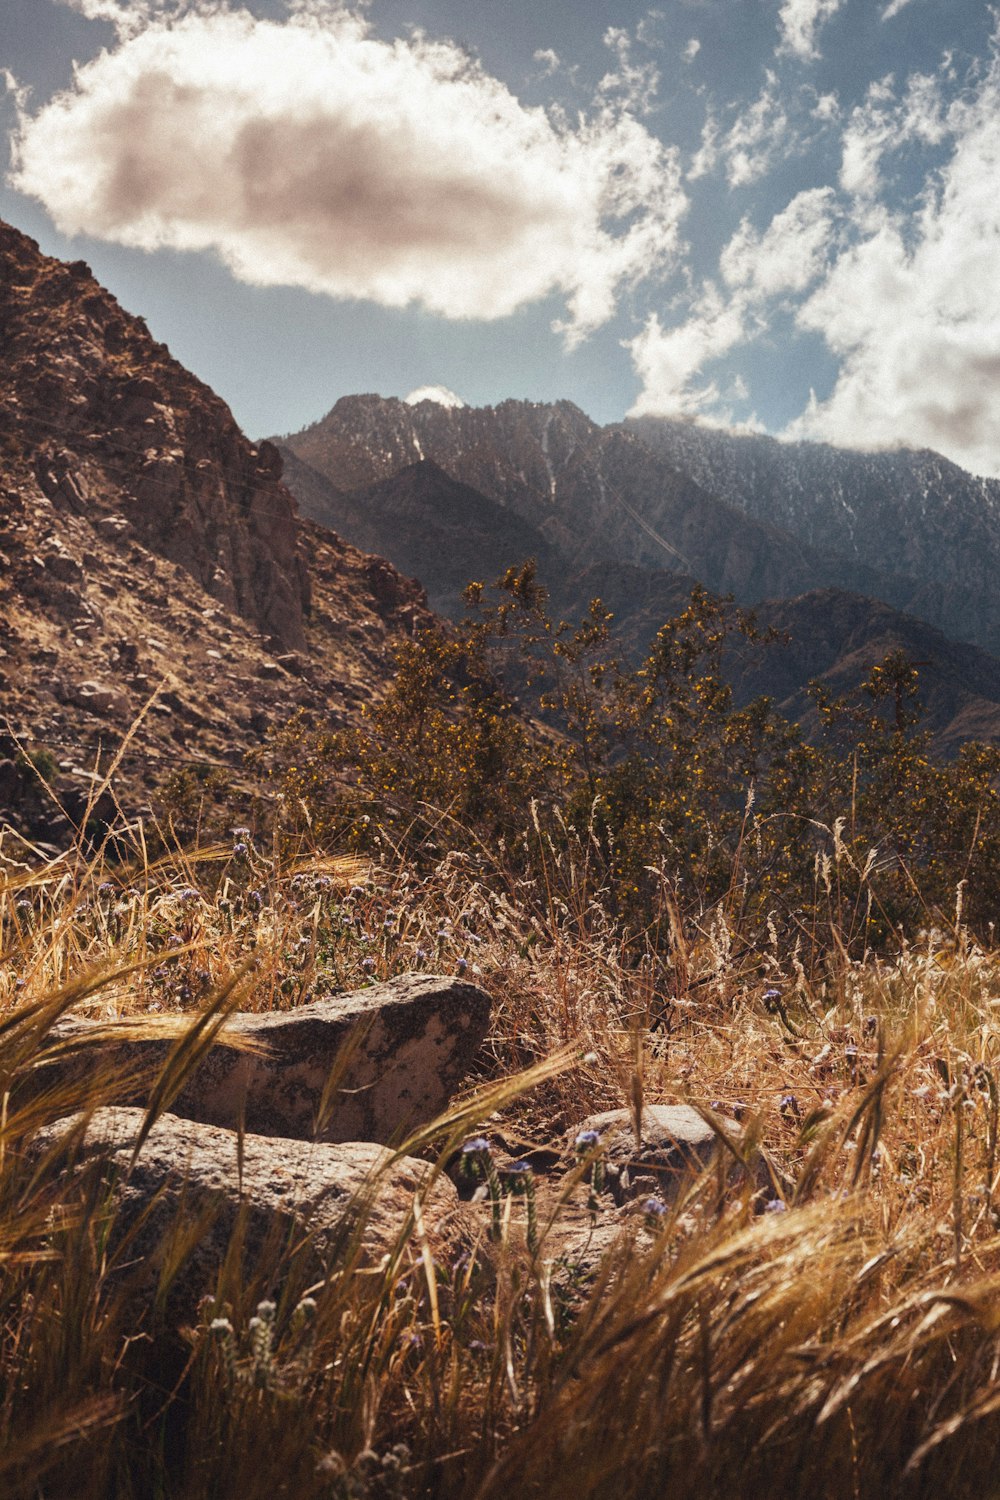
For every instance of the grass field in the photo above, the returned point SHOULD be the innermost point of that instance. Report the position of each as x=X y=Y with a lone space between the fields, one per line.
x=844 y=1342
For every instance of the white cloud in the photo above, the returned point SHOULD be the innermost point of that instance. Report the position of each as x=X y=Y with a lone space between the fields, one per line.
x=308 y=153
x=893 y=9
x=635 y=83
x=785 y=260
x=791 y=253
x=912 y=310
x=749 y=147
x=439 y=394
x=895 y=269
x=547 y=60
x=691 y=49
x=885 y=123
x=800 y=20
x=667 y=360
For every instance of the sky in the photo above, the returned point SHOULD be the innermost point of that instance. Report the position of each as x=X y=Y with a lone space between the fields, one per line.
x=774 y=215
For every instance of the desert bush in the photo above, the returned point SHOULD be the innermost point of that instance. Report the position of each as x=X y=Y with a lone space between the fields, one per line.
x=683 y=797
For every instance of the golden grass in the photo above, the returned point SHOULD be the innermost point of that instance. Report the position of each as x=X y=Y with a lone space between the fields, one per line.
x=846 y=1342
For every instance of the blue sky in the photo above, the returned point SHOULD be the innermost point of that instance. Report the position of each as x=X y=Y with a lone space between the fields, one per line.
x=775 y=214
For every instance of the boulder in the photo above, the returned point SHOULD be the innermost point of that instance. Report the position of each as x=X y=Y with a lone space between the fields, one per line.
x=395 y=1052
x=677 y=1143
x=310 y=1195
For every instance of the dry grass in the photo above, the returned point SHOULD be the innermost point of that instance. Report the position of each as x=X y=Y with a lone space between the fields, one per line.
x=847 y=1342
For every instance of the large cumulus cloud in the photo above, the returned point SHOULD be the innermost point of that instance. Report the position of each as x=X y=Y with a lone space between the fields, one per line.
x=309 y=153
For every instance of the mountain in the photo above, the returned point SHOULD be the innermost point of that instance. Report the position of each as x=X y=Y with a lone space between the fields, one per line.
x=593 y=493
x=835 y=637
x=146 y=544
x=827 y=635
x=453 y=494
x=930 y=530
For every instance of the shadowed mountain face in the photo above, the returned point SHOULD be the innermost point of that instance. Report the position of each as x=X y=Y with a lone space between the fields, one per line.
x=442 y=531
x=454 y=494
x=146 y=544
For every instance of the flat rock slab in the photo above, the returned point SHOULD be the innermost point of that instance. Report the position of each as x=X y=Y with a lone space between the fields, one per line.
x=398 y=1050
x=677 y=1144
x=186 y=1175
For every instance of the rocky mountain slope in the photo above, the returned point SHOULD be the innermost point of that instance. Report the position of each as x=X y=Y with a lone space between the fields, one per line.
x=442 y=531
x=147 y=547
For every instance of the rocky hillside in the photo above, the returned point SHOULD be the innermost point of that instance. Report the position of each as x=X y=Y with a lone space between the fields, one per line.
x=147 y=547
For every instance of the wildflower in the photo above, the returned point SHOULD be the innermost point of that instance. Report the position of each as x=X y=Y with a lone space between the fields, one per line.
x=516 y=1170
x=789 y=1104
x=442 y=935
x=477 y=1161
x=240 y=851
x=356 y=892
x=521 y=1181
x=241 y=833
x=654 y=1211
x=586 y=1142
x=368 y=964
x=421 y=955
x=461 y=964
x=775 y=1206
x=187 y=894
x=256 y=899
x=105 y=888
x=305 y=1311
